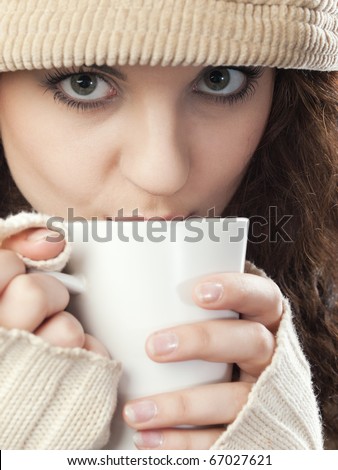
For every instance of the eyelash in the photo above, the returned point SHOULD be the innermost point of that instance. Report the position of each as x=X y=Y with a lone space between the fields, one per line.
x=252 y=75
x=52 y=79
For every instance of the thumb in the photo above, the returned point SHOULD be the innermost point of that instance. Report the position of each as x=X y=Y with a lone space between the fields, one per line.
x=36 y=243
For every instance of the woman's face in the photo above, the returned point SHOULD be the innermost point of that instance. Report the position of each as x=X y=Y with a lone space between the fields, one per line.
x=159 y=141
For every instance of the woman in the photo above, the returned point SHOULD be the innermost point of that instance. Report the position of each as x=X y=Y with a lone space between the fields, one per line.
x=120 y=111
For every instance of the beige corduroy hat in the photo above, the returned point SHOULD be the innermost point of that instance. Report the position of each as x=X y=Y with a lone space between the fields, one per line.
x=298 y=34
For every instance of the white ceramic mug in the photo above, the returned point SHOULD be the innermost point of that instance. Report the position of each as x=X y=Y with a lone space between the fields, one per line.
x=139 y=277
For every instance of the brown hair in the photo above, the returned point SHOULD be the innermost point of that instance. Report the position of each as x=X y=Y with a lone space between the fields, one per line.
x=293 y=171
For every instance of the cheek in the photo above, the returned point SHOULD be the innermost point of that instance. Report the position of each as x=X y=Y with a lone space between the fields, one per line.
x=223 y=150
x=226 y=149
x=40 y=157
x=48 y=148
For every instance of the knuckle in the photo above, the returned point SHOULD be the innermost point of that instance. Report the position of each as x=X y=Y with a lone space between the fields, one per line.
x=64 y=295
x=241 y=397
x=9 y=258
x=188 y=441
x=31 y=293
x=264 y=342
x=203 y=338
x=241 y=283
x=243 y=289
x=70 y=329
x=183 y=406
x=276 y=297
x=94 y=345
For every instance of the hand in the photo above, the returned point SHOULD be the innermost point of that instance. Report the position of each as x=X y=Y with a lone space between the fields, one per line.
x=36 y=302
x=248 y=342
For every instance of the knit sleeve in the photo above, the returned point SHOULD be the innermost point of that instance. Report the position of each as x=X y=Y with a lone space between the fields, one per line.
x=51 y=397
x=281 y=411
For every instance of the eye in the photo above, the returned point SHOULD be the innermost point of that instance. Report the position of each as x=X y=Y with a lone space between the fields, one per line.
x=221 y=81
x=86 y=86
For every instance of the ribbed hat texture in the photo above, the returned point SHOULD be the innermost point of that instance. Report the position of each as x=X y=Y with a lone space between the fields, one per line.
x=37 y=34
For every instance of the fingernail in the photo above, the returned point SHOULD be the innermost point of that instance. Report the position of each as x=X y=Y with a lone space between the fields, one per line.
x=141 y=411
x=148 y=440
x=161 y=344
x=44 y=234
x=209 y=291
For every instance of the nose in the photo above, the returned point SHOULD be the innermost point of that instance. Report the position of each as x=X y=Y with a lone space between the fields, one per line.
x=156 y=154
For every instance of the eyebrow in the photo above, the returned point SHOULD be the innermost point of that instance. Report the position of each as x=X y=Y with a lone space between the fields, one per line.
x=111 y=71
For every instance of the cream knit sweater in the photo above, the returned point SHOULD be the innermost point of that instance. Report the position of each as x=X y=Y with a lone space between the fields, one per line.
x=57 y=398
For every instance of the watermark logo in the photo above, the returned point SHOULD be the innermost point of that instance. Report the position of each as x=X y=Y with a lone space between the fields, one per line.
x=158 y=229
x=155 y=229
x=272 y=229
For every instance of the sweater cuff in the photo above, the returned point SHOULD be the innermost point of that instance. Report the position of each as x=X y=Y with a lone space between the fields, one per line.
x=17 y=223
x=281 y=411
x=64 y=398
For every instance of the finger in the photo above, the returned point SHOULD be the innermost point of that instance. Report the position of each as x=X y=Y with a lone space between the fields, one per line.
x=94 y=345
x=249 y=344
x=62 y=329
x=36 y=243
x=11 y=266
x=256 y=298
x=175 y=439
x=29 y=299
x=200 y=406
